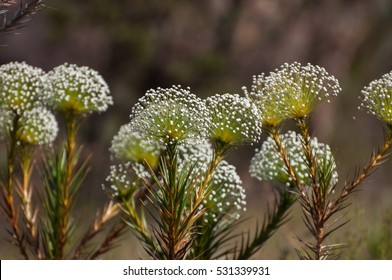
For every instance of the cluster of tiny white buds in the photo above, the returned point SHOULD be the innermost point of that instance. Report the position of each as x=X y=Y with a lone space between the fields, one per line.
x=196 y=156
x=227 y=198
x=21 y=86
x=22 y=104
x=304 y=86
x=270 y=105
x=267 y=164
x=292 y=91
x=77 y=89
x=131 y=146
x=234 y=119
x=170 y=116
x=377 y=98
x=122 y=180
x=6 y=121
x=38 y=126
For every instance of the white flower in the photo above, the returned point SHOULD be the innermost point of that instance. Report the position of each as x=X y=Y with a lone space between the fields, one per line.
x=267 y=164
x=196 y=156
x=377 y=98
x=227 y=199
x=21 y=86
x=130 y=146
x=38 y=126
x=234 y=119
x=293 y=91
x=122 y=181
x=170 y=116
x=77 y=89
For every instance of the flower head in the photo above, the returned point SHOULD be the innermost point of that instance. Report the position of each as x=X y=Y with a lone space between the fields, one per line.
x=270 y=104
x=267 y=164
x=77 y=89
x=130 y=146
x=196 y=156
x=227 y=198
x=38 y=126
x=234 y=119
x=122 y=181
x=169 y=116
x=377 y=98
x=293 y=91
x=21 y=86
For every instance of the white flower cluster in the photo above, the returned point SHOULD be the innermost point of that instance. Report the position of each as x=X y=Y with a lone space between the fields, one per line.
x=227 y=198
x=22 y=104
x=21 y=86
x=196 y=156
x=377 y=98
x=122 y=180
x=38 y=126
x=26 y=91
x=169 y=116
x=234 y=119
x=6 y=121
x=271 y=105
x=77 y=89
x=267 y=164
x=292 y=91
x=130 y=146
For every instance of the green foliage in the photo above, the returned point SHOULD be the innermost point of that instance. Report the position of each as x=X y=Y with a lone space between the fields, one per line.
x=27 y=124
x=57 y=226
x=193 y=197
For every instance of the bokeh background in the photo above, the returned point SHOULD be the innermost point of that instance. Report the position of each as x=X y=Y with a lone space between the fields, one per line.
x=216 y=46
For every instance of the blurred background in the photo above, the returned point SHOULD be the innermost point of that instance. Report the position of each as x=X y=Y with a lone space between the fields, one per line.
x=216 y=46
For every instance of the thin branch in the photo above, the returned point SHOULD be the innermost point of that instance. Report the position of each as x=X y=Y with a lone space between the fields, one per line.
x=110 y=240
x=23 y=13
x=13 y=218
x=374 y=161
x=110 y=211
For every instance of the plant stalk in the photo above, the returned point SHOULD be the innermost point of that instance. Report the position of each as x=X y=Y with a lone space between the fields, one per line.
x=71 y=129
x=8 y=194
x=26 y=195
x=317 y=205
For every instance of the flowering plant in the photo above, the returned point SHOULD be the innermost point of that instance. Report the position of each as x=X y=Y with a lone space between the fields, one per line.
x=171 y=184
x=27 y=125
x=293 y=92
x=196 y=196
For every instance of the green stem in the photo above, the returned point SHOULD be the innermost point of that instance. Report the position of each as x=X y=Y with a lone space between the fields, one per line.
x=172 y=191
x=138 y=225
x=375 y=160
x=71 y=128
x=220 y=152
x=318 y=202
x=273 y=132
x=12 y=155
x=9 y=199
